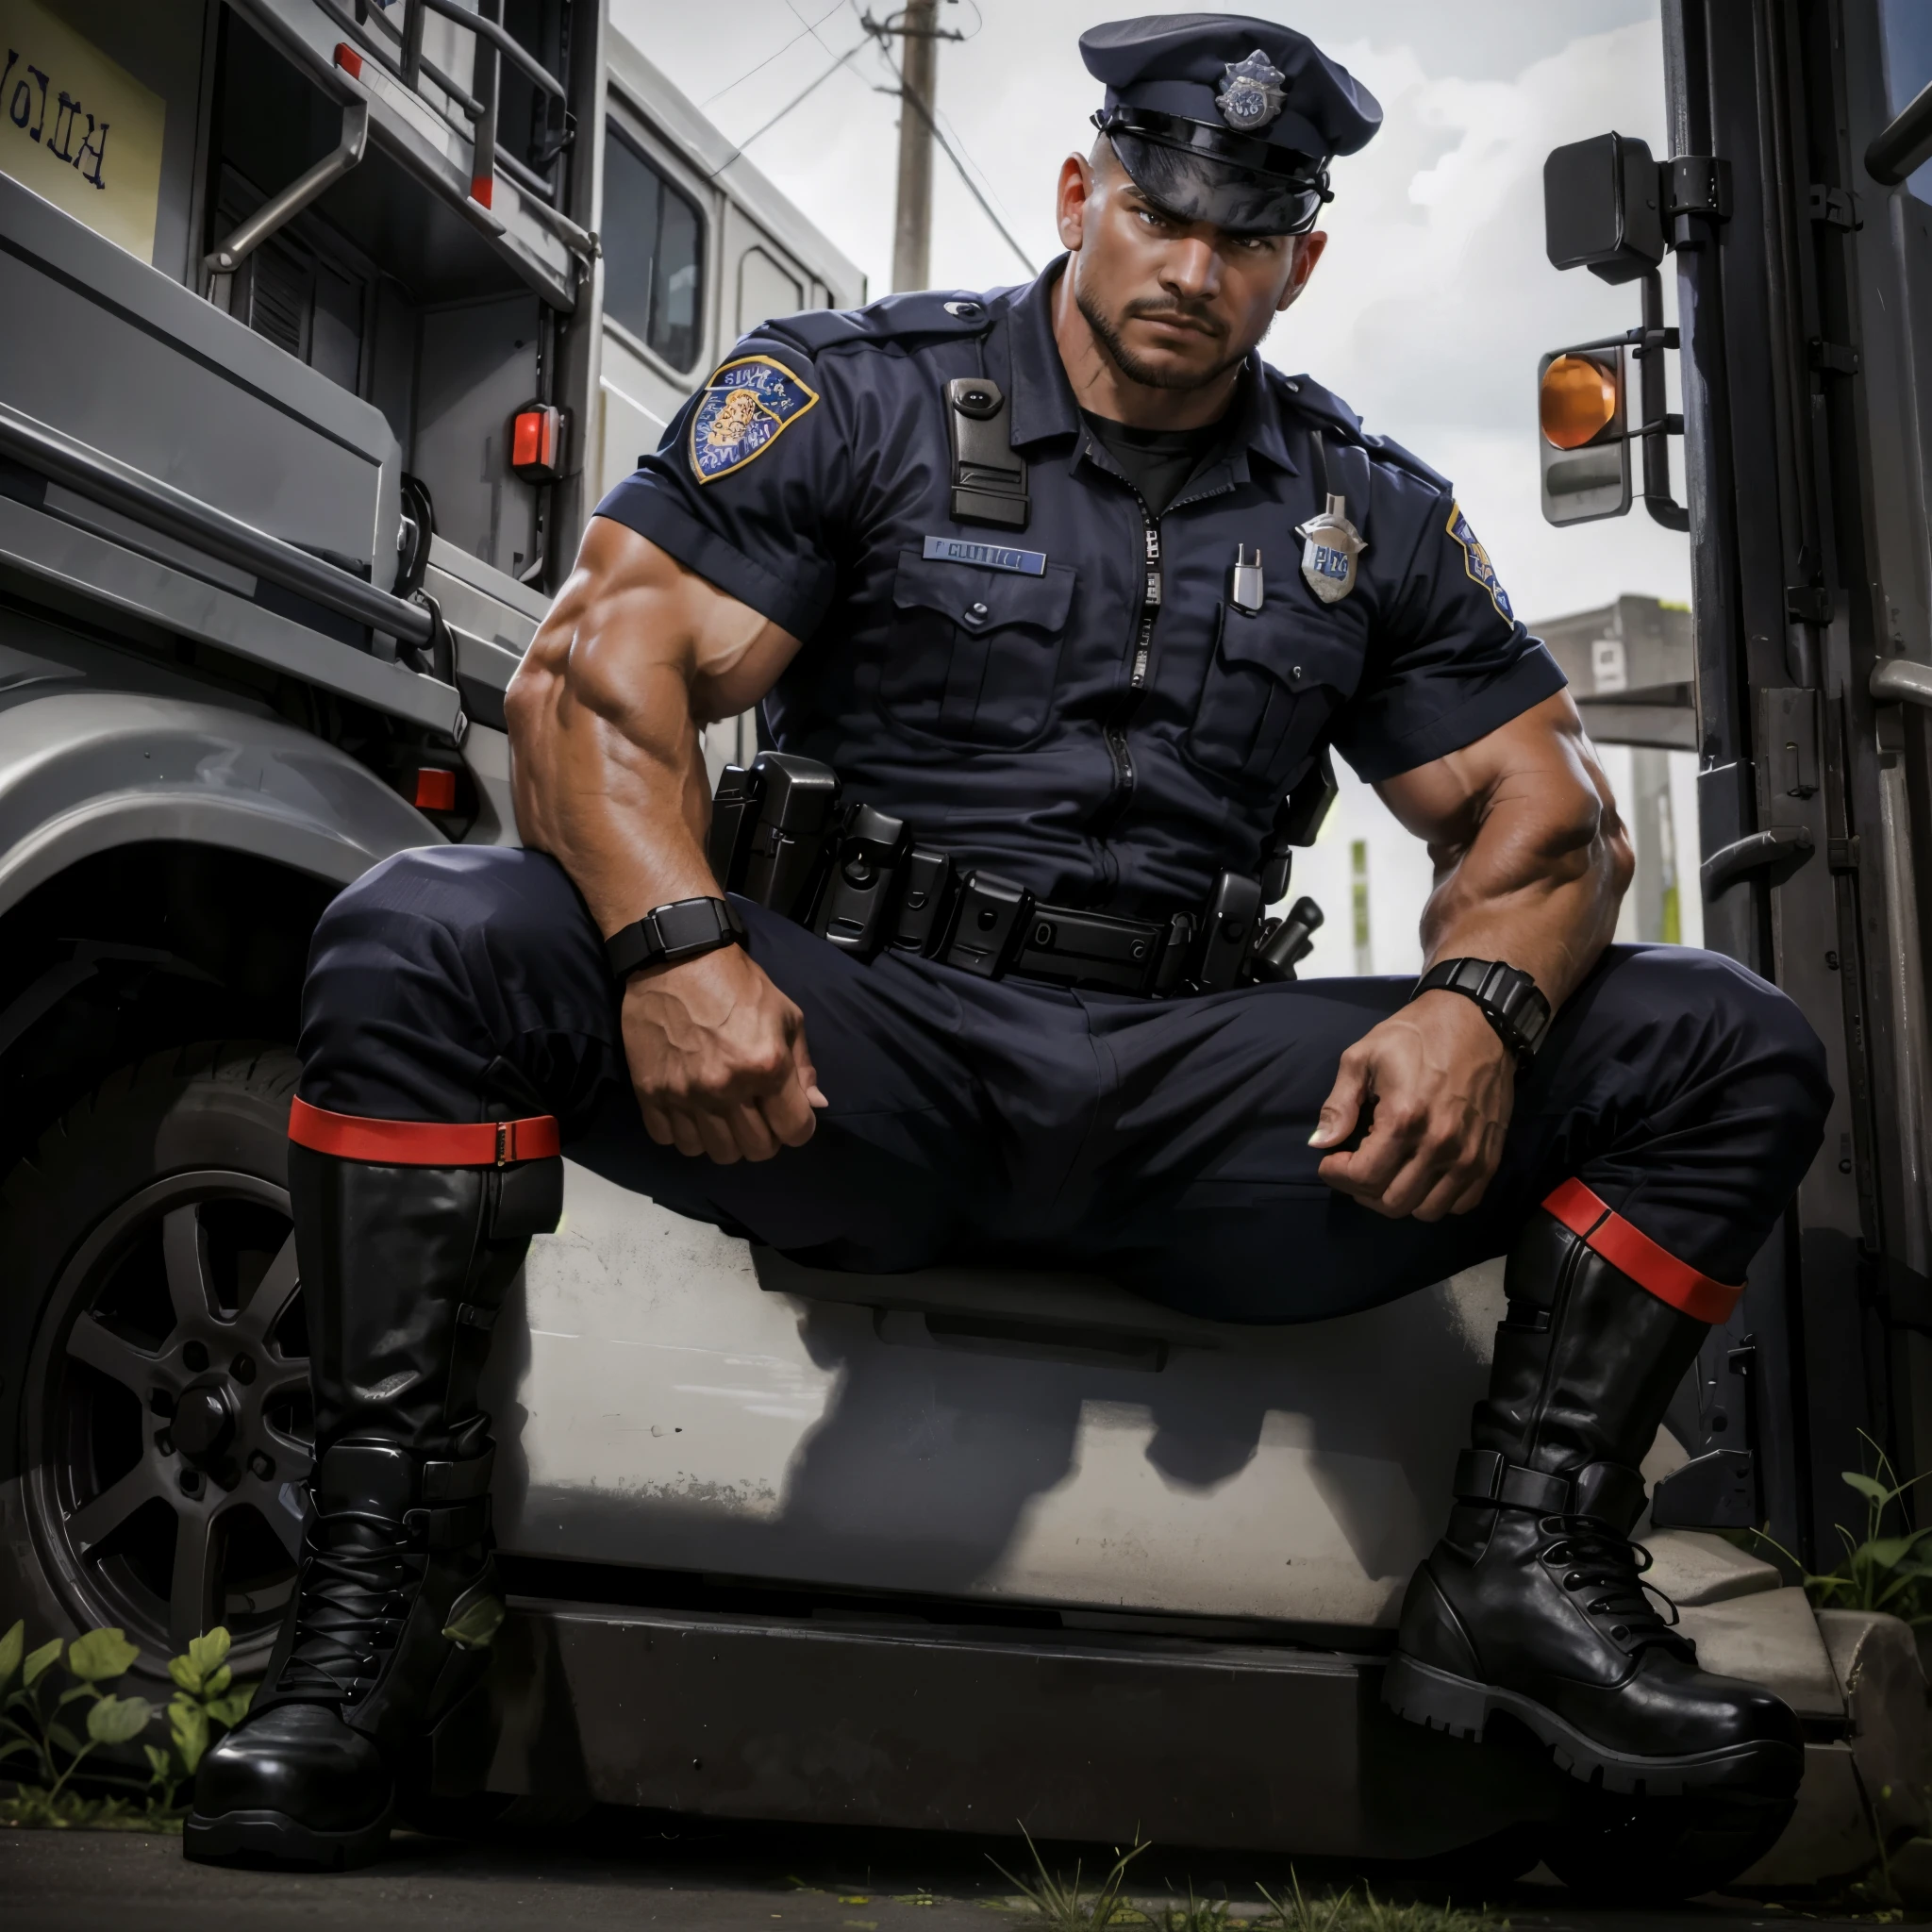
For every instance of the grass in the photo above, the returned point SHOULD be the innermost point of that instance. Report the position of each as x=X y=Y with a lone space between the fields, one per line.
x=1063 y=1905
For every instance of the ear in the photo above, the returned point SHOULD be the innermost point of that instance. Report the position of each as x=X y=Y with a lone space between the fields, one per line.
x=1076 y=191
x=1307 y=252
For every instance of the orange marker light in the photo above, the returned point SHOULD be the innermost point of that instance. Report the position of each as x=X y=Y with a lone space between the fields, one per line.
x=1578 y=399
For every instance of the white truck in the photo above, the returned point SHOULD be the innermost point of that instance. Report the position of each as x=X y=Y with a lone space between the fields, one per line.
x=311 y=367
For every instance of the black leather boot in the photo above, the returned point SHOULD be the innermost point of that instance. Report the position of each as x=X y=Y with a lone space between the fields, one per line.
x=1533 y=1603
x=403 y=1269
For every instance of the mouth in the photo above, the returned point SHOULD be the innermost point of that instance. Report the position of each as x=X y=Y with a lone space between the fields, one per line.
x=1175 y=322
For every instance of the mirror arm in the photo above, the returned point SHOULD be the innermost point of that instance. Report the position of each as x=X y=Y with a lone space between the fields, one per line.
x=1653 y=342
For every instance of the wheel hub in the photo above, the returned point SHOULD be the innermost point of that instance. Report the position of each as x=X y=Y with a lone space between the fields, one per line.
x=203 y=1423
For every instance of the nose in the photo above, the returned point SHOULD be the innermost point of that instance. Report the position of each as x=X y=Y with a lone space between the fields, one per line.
x=1193 y=269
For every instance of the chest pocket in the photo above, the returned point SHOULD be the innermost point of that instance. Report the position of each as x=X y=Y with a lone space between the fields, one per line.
x=1275 y=681
x=974 y=654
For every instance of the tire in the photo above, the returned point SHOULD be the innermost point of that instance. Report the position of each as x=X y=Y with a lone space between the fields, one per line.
x=155 y=1414
x=1625 y=1851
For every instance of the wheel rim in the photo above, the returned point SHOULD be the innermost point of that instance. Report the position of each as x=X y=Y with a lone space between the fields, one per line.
x=168 y=1421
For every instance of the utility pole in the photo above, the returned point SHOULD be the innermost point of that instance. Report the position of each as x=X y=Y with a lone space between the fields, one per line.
x=912 y=231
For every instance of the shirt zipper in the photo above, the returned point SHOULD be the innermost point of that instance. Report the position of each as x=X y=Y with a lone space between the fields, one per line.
x=1140 y=650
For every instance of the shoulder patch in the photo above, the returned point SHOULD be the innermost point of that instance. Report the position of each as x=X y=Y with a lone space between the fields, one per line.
x=745 y=407
x=1475 y=561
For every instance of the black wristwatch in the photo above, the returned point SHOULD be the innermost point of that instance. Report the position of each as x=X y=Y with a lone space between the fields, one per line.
x=1509 y=999
x=668 y=935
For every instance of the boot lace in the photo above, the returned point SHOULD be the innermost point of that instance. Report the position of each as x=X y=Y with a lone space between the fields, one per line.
x=1597 y=1559
x=359 y=1573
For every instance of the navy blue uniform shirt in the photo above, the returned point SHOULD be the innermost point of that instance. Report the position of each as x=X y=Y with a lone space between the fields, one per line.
x=1029 y=718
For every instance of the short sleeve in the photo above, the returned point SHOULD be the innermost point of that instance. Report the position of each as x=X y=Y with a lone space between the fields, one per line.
x=1449 y=663
x=748 y=485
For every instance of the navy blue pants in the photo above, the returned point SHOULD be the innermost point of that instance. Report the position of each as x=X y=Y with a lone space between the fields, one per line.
x=1162 y=1142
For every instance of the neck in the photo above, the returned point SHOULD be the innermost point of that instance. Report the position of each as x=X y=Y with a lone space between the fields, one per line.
x=1102 y=386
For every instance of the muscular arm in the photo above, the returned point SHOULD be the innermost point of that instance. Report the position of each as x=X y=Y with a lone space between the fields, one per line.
x=636 y=655
x=1531 y=864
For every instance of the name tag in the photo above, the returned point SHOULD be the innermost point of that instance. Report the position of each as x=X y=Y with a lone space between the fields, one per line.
x=1027 y=563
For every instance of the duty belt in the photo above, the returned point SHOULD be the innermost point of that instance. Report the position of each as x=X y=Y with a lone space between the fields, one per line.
x=781 y=835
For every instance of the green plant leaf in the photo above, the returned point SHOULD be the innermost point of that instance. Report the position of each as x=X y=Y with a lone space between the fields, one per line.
x=188 y=1724
x=230 y=1709
x=64 y=1739
x=476 y=1626
x=161 y=1764
x=185 y=1675
x=101 y=1653
x=210 y=1650
x=1868 y=1486
x=11 y=1648
x=115 y=1719
x=1886 y=1552
x=217 y=1682
x=38 y=1660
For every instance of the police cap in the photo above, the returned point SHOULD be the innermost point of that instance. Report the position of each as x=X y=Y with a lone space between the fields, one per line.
x=1225 y=119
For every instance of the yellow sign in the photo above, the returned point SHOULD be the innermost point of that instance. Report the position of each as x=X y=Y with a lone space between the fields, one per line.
x=77 y=129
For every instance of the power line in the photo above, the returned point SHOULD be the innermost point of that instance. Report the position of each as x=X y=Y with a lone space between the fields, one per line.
x=803 y=95
x=811 y=26
x=906 y=94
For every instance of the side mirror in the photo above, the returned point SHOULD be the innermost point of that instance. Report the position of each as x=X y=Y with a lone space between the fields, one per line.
x=1603 y=207
x=1585 y=443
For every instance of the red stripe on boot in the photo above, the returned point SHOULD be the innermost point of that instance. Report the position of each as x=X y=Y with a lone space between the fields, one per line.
x=1635 y=1254
x=422 y=1143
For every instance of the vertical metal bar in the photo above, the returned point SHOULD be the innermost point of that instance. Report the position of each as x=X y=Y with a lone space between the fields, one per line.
x=486 y=84
x=412 y=44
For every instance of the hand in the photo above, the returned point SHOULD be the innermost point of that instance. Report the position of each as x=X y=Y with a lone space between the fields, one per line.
x=718 y=1057
x=1441 y=1086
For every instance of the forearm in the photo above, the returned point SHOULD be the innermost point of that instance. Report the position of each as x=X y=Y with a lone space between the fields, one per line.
x=1542 y=896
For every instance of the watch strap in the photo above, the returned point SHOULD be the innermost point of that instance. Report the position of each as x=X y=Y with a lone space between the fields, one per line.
x=669 y=934
x=1509 y=999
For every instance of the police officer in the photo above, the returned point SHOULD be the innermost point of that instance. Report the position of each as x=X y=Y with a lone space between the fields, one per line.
x=1070 y=580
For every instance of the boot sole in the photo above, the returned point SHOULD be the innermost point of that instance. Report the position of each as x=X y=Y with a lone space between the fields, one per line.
x=274 y=1838
x=1442 y=1702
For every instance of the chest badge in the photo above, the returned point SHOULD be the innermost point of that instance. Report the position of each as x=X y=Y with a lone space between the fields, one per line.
x=1330 y=544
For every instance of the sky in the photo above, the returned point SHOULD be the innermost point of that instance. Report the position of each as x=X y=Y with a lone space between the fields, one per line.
x=1428 y=312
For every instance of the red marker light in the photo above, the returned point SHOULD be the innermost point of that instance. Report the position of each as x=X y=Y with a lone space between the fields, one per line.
x=436 y=790
x=536 y=442
x=483 y=190
x=348 y=60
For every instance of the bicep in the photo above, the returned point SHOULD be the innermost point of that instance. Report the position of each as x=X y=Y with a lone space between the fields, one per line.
x=1541 y=760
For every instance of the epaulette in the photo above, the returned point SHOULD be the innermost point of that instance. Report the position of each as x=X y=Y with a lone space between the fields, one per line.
x=891 y=319
x=1326 y=409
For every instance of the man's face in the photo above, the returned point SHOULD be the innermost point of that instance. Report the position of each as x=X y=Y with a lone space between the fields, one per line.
x=1175 y=302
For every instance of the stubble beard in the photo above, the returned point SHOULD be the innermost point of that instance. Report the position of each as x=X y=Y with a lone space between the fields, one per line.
x=1150 y=375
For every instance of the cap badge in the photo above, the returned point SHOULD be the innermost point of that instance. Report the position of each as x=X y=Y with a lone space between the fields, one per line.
x=1330 y=544
x=1251 y=95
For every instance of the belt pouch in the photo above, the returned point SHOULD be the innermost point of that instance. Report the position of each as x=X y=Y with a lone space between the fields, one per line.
x=988 y=920
x=733 y=819
x=795 y=822
x=924 y=905
x=858 y=886
x=1227 y=927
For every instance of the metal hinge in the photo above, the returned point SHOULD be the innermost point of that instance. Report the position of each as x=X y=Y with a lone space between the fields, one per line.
x=1808 y=604
x=1837 y=205
x=1834 y=359
x=1697 y=185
